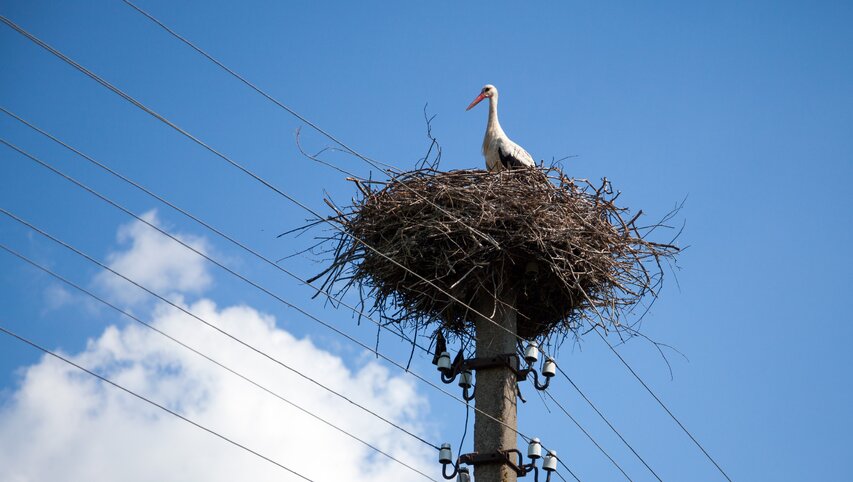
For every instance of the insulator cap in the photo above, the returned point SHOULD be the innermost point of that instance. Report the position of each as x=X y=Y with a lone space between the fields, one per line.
x=531 y=353
x=534 y=449
x=549 y=368
x=463 y=475
x=466 y=379
x=444 y=361
x=445 y=455
x=550 y=462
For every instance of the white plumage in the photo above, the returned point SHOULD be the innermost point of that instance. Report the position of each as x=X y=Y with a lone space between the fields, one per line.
x=500 y=152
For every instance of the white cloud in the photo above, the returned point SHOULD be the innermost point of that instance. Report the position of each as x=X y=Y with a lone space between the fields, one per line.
x=56 y=297
x=155 y=261
x=62 y=424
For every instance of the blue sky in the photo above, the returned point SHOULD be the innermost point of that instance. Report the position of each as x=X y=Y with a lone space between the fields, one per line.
x=743 y=108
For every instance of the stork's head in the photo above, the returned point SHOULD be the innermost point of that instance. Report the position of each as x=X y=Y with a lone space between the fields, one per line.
x=488 y=91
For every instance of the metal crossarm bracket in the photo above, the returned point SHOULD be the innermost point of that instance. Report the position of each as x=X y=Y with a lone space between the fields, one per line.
x=508 y=360
x=502 y=457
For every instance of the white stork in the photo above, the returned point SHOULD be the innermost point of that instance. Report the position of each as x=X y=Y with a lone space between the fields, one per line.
x=500 y=152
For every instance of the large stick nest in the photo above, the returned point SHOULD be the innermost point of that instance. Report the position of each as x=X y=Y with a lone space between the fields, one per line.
x=426 y=246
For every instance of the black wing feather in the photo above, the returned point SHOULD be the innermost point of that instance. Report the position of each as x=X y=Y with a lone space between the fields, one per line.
x=508 y=160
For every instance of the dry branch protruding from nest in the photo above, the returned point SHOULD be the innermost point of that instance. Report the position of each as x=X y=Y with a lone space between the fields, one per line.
x=562 y=247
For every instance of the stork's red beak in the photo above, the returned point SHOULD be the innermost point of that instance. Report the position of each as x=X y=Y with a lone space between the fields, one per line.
x=476 y=101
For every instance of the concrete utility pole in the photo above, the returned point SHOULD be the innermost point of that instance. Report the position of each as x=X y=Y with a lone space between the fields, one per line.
x=496 y=387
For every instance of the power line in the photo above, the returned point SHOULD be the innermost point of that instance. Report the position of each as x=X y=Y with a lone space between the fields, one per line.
x=187 y=134
x=229 y=270
x=231 y=161
x=251 y=251
x=373 y=163
x=587 y=434
x=234 y=163
x=189 y=247
x=302 y=118
x=190 y=136
x=256 y=88
x=102 y=265
x=105 y=199
x=84 y=255
x=151 y=402
x=643 y=383
x=322 y=131
x=218 y=232
x=206 y=357
x=178 y=240
x=220 y=330
x=605 y=421
x=589 y=402
x=282 y=193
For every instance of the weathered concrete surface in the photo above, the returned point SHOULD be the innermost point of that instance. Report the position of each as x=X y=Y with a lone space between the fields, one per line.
x=495 y=389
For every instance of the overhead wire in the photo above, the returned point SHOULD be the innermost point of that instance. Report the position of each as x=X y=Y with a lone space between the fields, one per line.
x=239 y=166
x=257 y=89
x=178 y=240
x=104 y=266
x=138 y=104
x=75 y=250
x=231 y=161
x=220 y=330
x=213 y=229
x=149 y=401
x=595 y=408
x=660 y=402
x=206 y=357
x=601 y=415
x=373 y=163
x=289 y=197
x=204 y=255
x=234 y=163
x=600 y=448
x=218 y=232
x=345 y=147
x=89 y=258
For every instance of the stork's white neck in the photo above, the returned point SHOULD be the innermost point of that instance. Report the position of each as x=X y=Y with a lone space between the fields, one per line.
x=494 y=126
